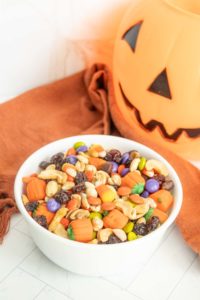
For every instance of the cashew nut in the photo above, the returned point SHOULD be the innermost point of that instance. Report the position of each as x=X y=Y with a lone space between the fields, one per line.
x=51 y=188
x=91 y=192
x=79 y=214
x=68 y=185
x=91 y=168
x=60 y=230
x=84 y=201
x=120 y=234
x=96 y=208
x=115 y=179
x=126 y=208
x=100 y=178
x=97 y=224
x=89 y=185
x=150 y=202
x=134 y=164
x=71 y=172
x=60 y=176
x=57 y=218
x=83 y=159
x=153 y=164
x=104 y=234
x=80 y=166
x=141 y=210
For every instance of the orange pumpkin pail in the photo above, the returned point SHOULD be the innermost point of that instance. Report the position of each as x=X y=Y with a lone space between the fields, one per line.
x=156 y=72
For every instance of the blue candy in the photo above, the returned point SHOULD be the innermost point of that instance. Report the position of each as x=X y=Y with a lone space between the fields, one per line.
x=72 y=159
x=115 y=167
x=145 y=194
x=124 y=171
x=125 y=158
x=53 y=205
x=82 y=149
x=152 y=185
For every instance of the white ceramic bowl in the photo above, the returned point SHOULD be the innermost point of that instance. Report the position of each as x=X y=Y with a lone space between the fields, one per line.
x=89 y=259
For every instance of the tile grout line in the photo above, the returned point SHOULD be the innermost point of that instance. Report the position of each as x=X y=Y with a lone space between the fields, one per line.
x=181 y=278
x=35 y=297
x=4 y=278
x=142 y=269
x=121 y=288
x=20 y=231
x=29 y=273
x=13 y=227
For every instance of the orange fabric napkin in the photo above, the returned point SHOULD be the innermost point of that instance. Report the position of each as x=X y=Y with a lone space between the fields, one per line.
x=78 y=105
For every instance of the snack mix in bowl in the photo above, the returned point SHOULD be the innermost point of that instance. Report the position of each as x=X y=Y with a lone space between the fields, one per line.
x=94 y=195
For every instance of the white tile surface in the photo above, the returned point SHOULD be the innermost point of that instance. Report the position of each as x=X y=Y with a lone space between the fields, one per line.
x=20 y=285
x=22 y=227
x=188 y=287
x=15 y=219
x=51 y=294
x=39 y=266
x=127 y=278
x=15 y=248
x=82 y=287
x=164 y=270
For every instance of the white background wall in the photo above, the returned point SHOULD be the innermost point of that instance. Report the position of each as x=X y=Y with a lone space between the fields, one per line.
x=44 y=40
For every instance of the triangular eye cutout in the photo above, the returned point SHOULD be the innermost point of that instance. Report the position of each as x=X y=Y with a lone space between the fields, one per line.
x=160 y=85
x=131 y=35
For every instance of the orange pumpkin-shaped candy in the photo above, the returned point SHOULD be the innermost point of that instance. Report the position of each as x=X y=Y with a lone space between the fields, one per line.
x=80 y=230
x=115 y=219
x=156 y=74
x=36 y=189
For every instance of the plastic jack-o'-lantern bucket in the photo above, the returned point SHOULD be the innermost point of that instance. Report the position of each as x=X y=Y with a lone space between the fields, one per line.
x=157 y=72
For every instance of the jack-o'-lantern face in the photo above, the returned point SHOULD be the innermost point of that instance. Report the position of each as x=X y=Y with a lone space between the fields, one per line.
x=156 y=73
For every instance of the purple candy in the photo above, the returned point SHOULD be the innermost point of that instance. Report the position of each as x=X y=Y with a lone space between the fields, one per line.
x=115 y=167
x=125 y=158
x=53 y=205
x=145 y=194
x=72 y=159
x=152 y=185
x=82 y=149
x=124 y=171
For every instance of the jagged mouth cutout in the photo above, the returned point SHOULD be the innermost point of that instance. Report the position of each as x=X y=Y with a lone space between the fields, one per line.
x=159 y=86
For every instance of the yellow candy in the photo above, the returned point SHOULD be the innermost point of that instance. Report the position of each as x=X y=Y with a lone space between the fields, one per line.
x=132 y=236
x=129 y=227
x=106 y=194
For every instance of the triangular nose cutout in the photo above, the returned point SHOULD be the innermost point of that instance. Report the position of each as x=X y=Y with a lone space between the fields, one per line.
x=160 y=85
x=131 y=35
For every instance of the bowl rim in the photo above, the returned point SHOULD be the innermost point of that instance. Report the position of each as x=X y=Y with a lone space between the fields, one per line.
x=29 y=219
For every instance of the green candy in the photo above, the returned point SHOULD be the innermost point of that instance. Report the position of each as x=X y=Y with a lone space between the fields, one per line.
x=105 y=213
x=148 y=215
x=129 y=227
x=95 y=215
x=138 y=188
x=70 y=233
x=142 y=163
x=132 y=236
x=78 y=144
